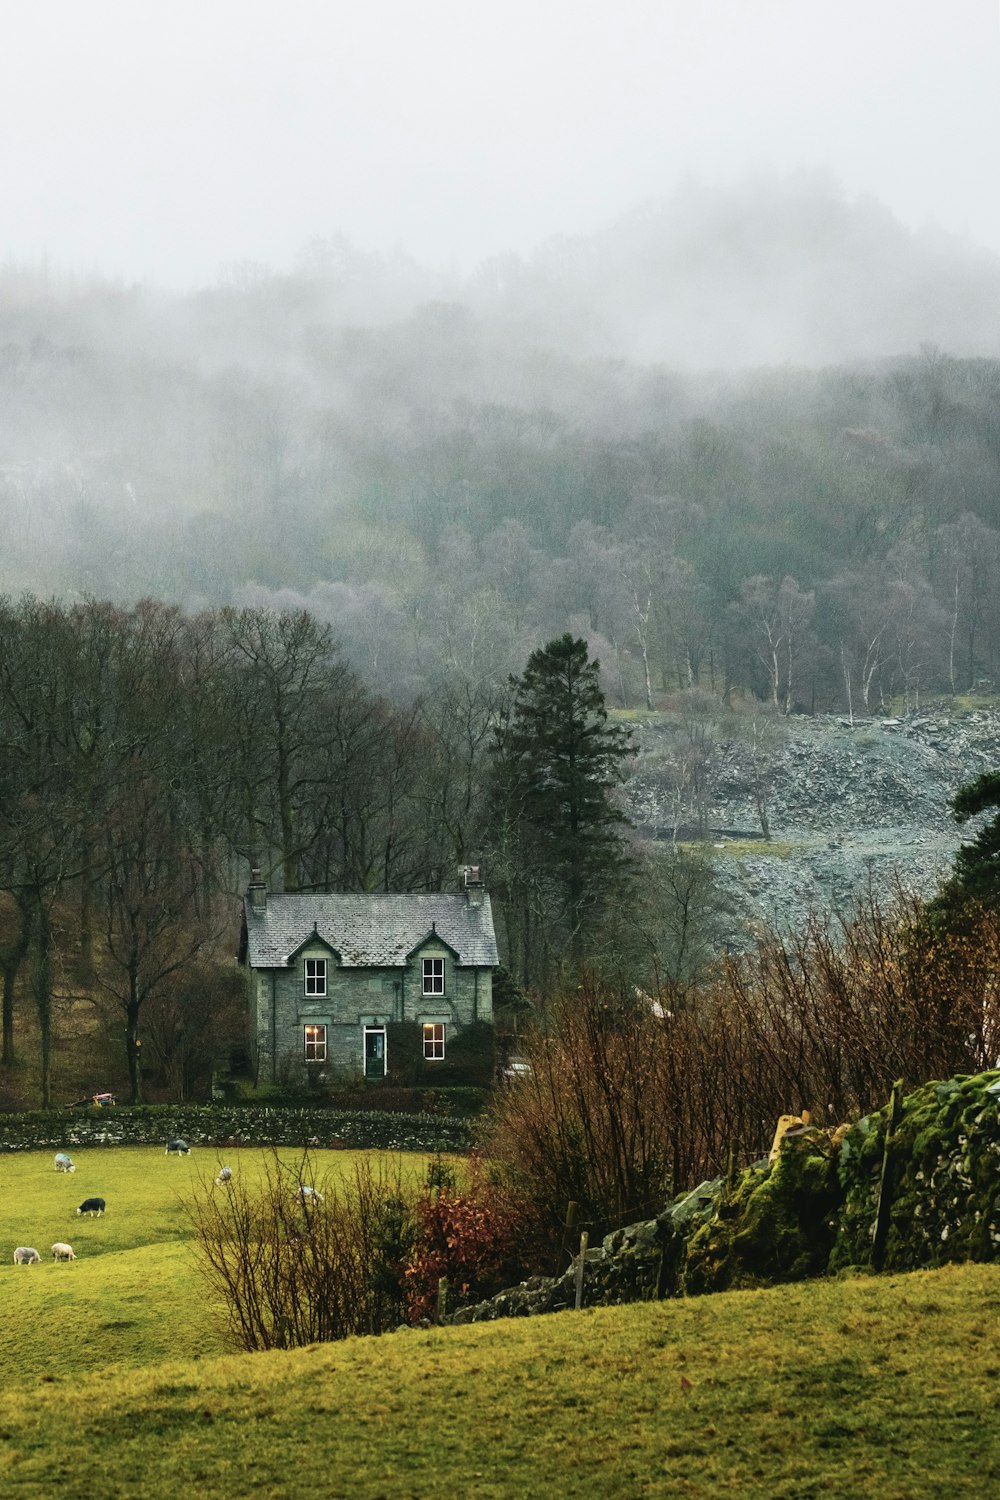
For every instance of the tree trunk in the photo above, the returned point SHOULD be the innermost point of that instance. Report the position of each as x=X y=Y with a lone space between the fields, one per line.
x=11 y=969
x=43 y=1000
x=132 y=1044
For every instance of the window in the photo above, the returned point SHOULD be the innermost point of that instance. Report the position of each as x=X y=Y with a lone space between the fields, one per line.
x=433 y=976
x=315 y=976
x=433 y=1039
x=315 y=1043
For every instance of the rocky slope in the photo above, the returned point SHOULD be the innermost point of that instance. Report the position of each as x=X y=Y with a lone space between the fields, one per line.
x=847 y=804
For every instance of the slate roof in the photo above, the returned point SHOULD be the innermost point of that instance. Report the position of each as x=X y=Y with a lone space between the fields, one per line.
x=369 y=931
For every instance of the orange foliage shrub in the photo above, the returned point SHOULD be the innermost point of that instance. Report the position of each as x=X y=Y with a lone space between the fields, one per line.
x=479 y=1238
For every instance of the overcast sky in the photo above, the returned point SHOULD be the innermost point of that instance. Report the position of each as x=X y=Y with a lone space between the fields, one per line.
x=163 y=142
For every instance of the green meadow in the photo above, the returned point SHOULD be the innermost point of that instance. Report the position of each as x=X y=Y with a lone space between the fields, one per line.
x=114 y=1380
x=134 y=1295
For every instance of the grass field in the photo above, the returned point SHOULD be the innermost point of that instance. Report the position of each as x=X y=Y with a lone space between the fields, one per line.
x=112 y=1382
x=134 y=1295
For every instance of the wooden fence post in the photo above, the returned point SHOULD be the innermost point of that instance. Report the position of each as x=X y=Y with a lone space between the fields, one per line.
x=442 y=1302
x=566 y=1245
x=579 y=1270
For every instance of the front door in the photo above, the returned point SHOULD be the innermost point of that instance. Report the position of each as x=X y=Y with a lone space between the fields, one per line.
x=374 y=1052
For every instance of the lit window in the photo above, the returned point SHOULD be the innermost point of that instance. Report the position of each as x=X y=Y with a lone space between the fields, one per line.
x=433 y=1041
x=315 y=1044
x=433 y=976
x=315 y=976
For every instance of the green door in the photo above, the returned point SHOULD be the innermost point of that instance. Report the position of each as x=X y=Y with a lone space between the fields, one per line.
x=374 y=1053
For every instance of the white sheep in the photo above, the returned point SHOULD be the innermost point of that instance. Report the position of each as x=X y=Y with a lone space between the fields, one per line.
x=25 y=1256
x=225 y=1175
x=310 y=1194
x=61 y=1251
x=64 y=1163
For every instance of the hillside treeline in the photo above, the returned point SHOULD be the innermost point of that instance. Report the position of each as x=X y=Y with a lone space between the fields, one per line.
x=451 y=471
x=823 y=540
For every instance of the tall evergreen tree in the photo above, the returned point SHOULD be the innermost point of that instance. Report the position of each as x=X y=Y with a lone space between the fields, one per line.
x=558 y=763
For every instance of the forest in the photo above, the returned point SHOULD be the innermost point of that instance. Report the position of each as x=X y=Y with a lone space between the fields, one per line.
x=449 y=471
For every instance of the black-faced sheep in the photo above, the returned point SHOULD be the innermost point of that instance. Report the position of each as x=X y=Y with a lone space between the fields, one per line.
x=64 y=1163
x=94 y=1206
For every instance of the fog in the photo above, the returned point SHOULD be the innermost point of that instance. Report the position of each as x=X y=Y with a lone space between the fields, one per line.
x=166 y=144
x=463 y=328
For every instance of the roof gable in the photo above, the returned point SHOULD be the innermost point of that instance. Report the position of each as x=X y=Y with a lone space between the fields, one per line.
x=432 y=937
x=314 y=939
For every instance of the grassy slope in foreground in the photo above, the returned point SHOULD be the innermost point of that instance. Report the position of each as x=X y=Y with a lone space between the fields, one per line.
x=834 y=1389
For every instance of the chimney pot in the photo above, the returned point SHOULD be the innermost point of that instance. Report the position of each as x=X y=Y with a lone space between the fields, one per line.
x=257 y=891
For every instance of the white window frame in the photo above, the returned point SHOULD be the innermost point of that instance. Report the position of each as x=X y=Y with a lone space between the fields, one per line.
x=314 y=1041
x=314 y=976
x=434 y=1039
x=432 y=975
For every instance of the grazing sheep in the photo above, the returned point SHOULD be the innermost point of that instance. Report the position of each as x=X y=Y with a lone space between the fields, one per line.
x=64 y=1163
x=94 y=1206
x=25 y=1256
x=62 y=1252
x=225 y=1175
x=310 y=1195
x=177 y=1148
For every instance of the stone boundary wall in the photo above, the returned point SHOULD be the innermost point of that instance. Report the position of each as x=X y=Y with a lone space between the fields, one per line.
x=810 y=1213
x=215 y=1125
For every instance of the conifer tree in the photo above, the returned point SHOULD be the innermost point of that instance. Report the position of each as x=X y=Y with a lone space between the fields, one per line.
x=557 y=766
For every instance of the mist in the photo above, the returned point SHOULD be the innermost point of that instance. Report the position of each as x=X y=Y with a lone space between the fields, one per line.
x=165 y=148
x=438 y=323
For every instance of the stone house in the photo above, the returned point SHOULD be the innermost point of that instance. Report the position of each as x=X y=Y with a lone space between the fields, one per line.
x=335 y=980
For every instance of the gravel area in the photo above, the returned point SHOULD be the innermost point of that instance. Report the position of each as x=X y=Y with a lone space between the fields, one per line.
x=847 y=805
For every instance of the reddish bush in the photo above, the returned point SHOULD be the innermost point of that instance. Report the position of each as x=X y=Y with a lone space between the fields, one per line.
x=479 y=1238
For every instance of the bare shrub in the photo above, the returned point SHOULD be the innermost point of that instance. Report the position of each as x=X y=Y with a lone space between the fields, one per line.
x=628 y=1103
x=294 y=1269
x=585 y=1125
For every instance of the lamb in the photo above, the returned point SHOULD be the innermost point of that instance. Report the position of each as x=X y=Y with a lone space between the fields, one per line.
x=177 y=1147
x=61 y=1251
x=25 y=1256
x=93 y=1206
x=310 y=1194
x=225 y=1175
x=64 y=1163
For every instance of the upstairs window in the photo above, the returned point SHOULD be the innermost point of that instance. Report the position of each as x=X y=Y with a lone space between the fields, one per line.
x=315 y=1040
x=433 y=976
x=433 y=1041
x=315 y=976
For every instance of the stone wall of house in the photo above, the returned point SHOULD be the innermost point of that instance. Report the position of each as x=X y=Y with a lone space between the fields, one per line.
x=355 y=999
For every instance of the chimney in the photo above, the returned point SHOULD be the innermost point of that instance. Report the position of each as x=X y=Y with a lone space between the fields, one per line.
x=257 y=893
x=473 y=883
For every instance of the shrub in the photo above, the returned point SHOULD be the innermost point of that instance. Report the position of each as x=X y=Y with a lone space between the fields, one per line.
x=628 y=1103
x=479 y=1237
x=293 y=1271
x=587 y=1123
x=470 y=1060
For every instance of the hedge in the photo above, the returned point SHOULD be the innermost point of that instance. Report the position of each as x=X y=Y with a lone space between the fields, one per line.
x=222 y=1125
